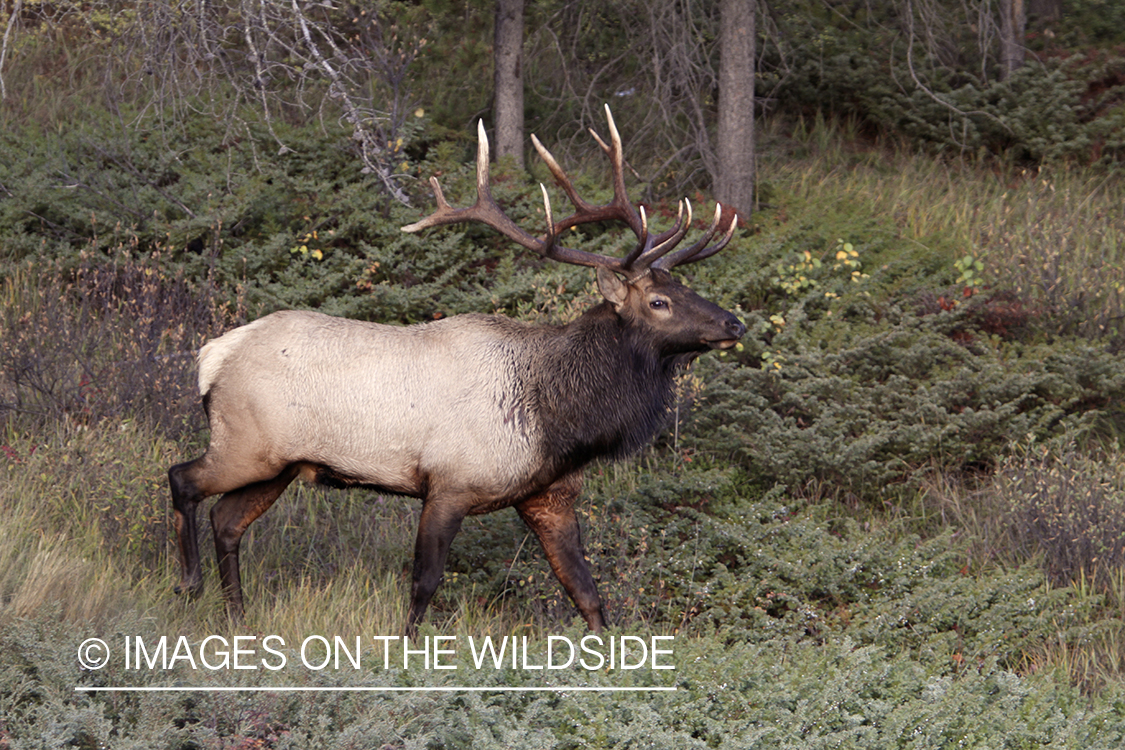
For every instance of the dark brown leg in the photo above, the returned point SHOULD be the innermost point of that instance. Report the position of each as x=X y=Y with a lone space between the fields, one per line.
x=550 y=515
x=440 y=522
x=230 y=517
x=185 y=499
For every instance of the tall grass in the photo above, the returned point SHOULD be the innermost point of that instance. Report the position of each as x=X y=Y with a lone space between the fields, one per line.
x=65 y=495
x=1061 y=508
x=1090 y=648
x=86 y=522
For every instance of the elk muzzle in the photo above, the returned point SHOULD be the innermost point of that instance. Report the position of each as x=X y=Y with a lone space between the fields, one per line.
x=732 y=329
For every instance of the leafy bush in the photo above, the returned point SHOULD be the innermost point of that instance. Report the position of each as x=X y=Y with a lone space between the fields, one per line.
x=299 y=230
x=1042 y=114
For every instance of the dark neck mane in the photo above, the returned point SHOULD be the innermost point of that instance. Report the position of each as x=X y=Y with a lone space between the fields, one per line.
x=600 y=389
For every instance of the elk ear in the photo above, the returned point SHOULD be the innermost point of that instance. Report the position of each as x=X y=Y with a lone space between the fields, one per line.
x=612 y=287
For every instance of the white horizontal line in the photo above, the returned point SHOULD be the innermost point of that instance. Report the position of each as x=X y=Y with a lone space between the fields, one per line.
x=285 y=689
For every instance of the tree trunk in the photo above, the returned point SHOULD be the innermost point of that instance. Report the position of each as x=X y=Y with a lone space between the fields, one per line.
x=508 y=60
x=1013 y=24
x=1045 y=10
x=734 y=187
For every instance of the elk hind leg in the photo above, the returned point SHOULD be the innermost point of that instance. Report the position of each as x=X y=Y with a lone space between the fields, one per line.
x=184 y=481
x=230 y=517
x=551 y=516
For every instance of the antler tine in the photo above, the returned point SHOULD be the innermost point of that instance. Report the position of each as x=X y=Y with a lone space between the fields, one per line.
x=663 y=236
x=598 y=138
x=684 y=253
x=485 y=210
x=620 y=208
x=643 y=243
x=550 y=249
x=665 y=241
x=561 y=176
x=483 y=187
x=547 y=211
x=697 y=252
x=649 y=249
x=616 y=153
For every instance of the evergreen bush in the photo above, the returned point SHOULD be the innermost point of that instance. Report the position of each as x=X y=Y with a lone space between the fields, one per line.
x=860 y=406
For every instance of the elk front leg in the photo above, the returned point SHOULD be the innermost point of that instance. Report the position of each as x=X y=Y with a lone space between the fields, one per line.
x=230 y=517
x=550 y=515
x=440 y=522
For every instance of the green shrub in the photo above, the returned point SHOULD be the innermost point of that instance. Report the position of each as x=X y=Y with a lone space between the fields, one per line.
x=930 y=80
x=859 y=406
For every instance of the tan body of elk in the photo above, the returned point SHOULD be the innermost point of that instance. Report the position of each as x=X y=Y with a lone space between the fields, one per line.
x=471 y=413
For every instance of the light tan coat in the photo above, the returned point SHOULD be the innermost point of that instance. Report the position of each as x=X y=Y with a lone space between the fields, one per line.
x=381 y=405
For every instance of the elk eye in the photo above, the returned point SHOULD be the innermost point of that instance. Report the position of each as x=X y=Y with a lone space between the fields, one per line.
x=658 y=304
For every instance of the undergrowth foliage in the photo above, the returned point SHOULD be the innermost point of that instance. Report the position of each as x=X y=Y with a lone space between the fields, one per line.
x=861 y=406
x=1069 y=507
x=785 y=530
x=1074 y=280
x=778 y=694
x=105 y=341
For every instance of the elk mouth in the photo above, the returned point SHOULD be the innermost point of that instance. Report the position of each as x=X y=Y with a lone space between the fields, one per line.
x=722 y=344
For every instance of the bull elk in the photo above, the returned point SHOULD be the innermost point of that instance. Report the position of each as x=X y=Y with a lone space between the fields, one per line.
x=471 y=414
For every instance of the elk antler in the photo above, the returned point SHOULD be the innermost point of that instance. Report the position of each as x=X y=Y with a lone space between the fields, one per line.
x=650 y=251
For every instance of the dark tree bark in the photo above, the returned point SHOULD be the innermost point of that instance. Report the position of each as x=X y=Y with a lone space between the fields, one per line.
x=508 y=81
x=735 y=184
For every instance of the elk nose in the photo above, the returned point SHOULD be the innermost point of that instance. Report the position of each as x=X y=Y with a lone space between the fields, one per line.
x=735 y=327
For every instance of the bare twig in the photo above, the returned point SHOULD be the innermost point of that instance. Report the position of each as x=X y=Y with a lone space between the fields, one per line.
x=4 y=46
x=250 y=63
x=370 y=150
x=925 y=89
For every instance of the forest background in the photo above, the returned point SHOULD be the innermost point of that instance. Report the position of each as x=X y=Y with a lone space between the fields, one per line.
x=894 y=518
